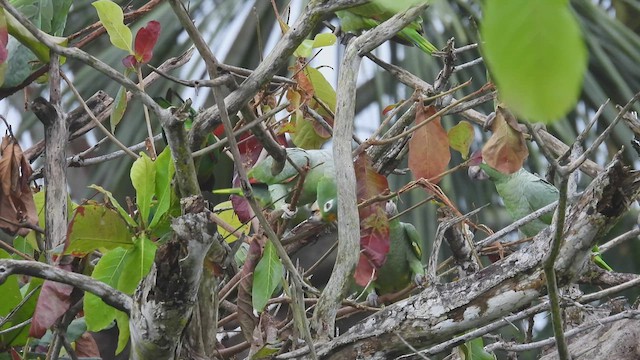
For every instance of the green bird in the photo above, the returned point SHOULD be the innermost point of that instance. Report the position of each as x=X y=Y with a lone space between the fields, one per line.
x=319 y=181
x=523 y=193
x=368 y=16
x=403 y=264
x=404 y=259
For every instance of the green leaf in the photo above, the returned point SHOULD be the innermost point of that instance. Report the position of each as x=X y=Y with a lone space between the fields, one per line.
x=97 y=227
x=123 y=330
x=112 y=17
x=10 y=292
x=119 y=108
x=113 y=202
x=164 y=173
x=322 y=89
x=99 y=315
x=18 y=31
x=20 y=336
x=461 y=137
x=474 y=350
x=143 y=178
x=536 y=55
x=136 y=264
x=305 y=136
x=320 y=40
x=266 y=277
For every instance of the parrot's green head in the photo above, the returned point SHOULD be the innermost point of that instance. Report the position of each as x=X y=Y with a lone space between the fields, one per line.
x=326 y=206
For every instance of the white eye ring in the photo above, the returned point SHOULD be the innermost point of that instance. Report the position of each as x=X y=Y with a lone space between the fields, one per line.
x=328 y=205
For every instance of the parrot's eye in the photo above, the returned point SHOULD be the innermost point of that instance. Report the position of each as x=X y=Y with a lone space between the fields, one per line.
x=328 y=205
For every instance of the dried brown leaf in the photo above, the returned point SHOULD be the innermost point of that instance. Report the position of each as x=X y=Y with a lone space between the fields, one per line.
x=429 y=153
x=16 y=197
x=506 y=150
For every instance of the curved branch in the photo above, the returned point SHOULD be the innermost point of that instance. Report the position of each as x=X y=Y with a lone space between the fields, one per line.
x=105 y=292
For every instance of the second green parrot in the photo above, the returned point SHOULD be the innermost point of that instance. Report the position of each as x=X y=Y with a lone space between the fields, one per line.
x=523 y=193
x=368 y=16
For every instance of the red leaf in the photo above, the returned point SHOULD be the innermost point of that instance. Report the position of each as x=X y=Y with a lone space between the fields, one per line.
x=15 y=355
x=129 y=61
x=364 y=272
x=146 y=39
x=86 y=347
x=374 y=224
x=429 y=152
x=52 y=303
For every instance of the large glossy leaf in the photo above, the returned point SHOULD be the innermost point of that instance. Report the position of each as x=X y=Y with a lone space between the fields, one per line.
x=536 y=55
x=136 y=264
x=99 y=315
x=10 y=298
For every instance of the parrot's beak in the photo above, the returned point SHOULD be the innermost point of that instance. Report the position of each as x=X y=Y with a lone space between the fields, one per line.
x=316 y=216
x=476 y=173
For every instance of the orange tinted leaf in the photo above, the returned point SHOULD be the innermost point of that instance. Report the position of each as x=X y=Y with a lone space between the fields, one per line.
x=461 y=137
x=506 y=150
x=429 y=147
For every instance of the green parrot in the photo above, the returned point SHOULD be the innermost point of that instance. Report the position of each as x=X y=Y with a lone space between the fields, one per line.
x=368 y=16
x=403 y=263
x=523 y=193
x=404 y=259
x=319 y=182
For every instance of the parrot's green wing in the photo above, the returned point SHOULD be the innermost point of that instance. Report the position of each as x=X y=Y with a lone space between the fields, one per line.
x=523 y=193
x=403 y=264
x=370 y=15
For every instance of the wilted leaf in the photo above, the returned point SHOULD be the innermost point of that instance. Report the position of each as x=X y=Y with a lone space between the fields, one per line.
x=53 y=302
x=506 y=150
x=146 y=39
x=519 y=37
x=112 y=17
x=16 y=198
x=86 y=347
x=429 y=153
x=119 y=108
x=96 y=227
x=461 y=137
x=266 y=277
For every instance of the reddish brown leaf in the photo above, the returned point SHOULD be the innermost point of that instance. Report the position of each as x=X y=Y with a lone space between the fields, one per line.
x=52 y=303
x=506 y=150
x=86 y=347
x=16 y=198
x=146 y=39
x=302 y=81
x=429 y=153
x=374 y=224
x=15 y=355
